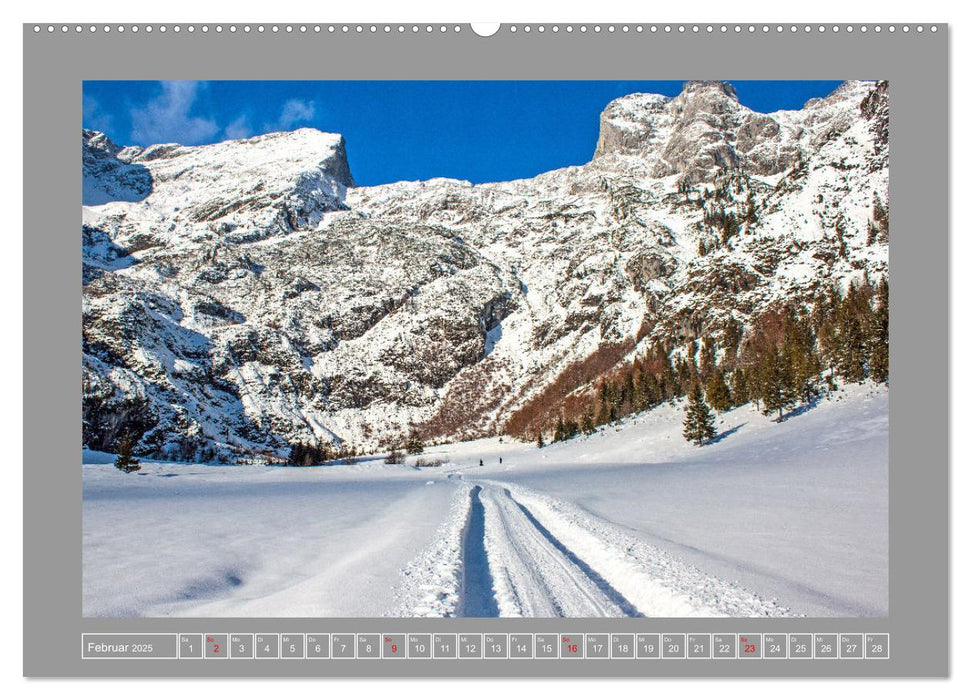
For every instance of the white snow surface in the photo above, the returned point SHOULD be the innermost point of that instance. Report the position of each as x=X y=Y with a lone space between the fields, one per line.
x=772 y=519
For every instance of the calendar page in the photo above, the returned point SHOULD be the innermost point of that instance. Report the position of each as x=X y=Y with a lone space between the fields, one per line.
x=452 y=350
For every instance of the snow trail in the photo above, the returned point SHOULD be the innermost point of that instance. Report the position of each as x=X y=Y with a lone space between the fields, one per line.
x=519 y=553
x=535 y=574
x=643 y=579
x=477 y=598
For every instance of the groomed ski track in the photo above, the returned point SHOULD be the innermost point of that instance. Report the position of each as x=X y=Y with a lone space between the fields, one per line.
x=523 y=554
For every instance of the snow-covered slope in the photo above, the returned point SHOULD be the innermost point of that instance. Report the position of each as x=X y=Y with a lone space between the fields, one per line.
x=249 y=296
x=771 y=520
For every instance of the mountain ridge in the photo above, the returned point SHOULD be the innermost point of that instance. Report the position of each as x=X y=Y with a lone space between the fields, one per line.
x=255 y=297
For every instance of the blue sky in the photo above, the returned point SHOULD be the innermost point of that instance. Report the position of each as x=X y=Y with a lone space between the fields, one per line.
x=483 y=131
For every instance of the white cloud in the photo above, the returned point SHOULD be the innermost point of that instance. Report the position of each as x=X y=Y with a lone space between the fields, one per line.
x=296 y=112
x=168 y=117
x=239 y=128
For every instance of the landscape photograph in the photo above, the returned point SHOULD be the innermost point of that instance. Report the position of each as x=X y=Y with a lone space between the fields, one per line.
x=485 y=349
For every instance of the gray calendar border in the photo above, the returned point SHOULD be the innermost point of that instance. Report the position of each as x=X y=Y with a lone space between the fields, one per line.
x=916 y=64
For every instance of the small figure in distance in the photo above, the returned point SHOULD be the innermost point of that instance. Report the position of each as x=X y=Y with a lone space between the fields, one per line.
x=500 y=460
x=480 y=462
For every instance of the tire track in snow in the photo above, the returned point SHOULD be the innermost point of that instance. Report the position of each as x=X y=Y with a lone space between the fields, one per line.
x=534 y=574
x=656 y=583
x=509 y=551
x=477 y=598
x=613 y=594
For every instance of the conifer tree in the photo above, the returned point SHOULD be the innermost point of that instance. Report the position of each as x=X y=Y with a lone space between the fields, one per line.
x=730 y=340
x=686 y=376
x=823 y=321
x=799 y=355
x=414 y=444
x=699 y=421
x=125 y=461
x=851 y=319
x=706 y=357
x=828 y=343
x=627 y=397
x=587 y=424
x=326 y=452
x=716 y=391
x=729 y=228
x=773 y=382
x=570 y=429
x=750 y=216
x=740 y=390
x=881 y=221
x=296 y=455
x=310 y=454
x=880 y=335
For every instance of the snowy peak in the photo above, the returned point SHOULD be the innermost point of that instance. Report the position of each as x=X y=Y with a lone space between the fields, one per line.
x=633 y=124
x=704 y=132
x=692 y=134
x=705 y=97
x=96 y=141
x=709 y=87
x=105 y=176
x=251 y=188
x=278 y=153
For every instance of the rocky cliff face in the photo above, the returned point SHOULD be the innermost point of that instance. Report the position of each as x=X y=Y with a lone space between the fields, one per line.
x=106 y=177
x=705 y=132
x=245 y=295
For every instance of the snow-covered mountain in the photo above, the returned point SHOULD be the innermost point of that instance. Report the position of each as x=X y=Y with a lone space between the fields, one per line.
x=245 y=295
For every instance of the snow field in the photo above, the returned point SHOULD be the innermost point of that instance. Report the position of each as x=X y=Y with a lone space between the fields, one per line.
x=431 y=581
x=772 y=519
x=189 y=540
